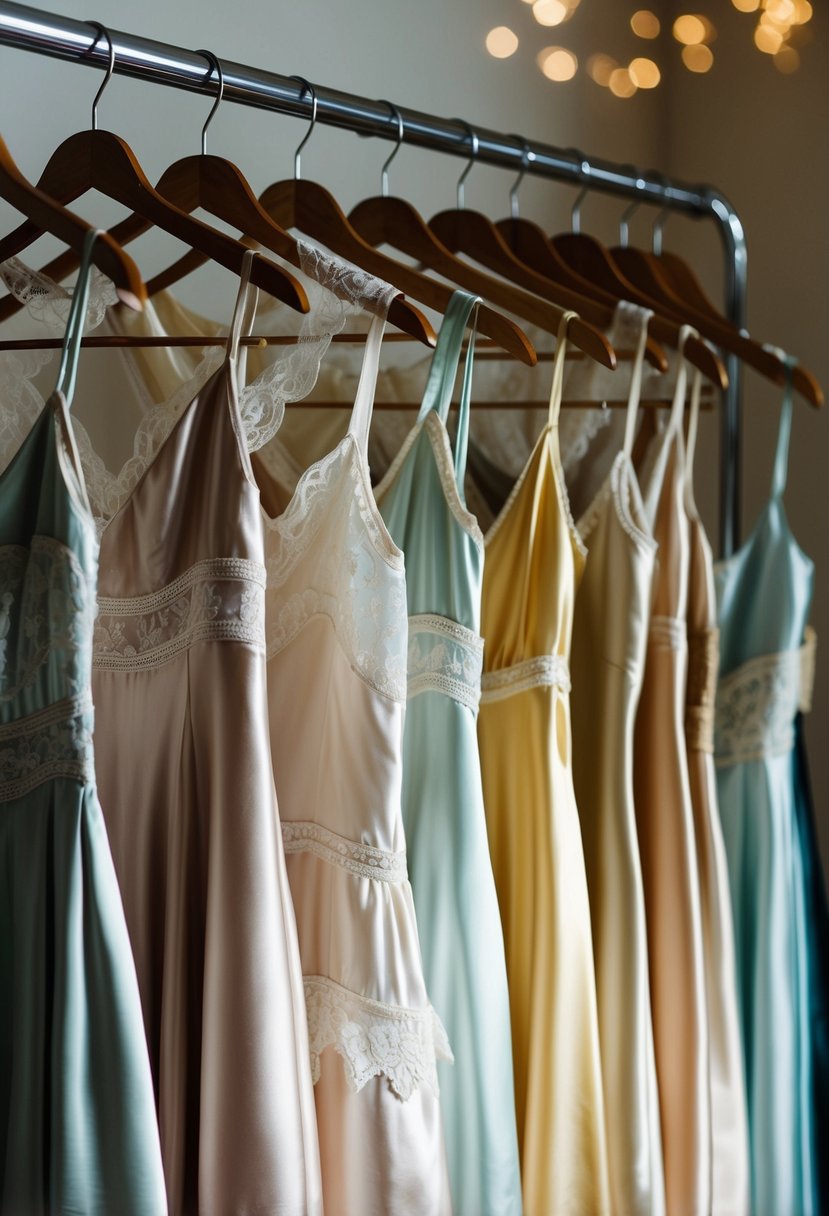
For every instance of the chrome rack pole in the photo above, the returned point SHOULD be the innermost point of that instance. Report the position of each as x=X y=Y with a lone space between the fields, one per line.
x=59 y=37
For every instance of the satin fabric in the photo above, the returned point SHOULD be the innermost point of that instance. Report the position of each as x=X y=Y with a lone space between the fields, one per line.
x=534 y=560
x=336 y=606
x=421 y=500
x=667 y=845
x=764 y=594
x=609 y=641
x=729 y=1121
x=78 y=1131
x=183 y=763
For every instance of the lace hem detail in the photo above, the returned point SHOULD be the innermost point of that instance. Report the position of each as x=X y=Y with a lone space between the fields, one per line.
x=547 y=670
x=757 y=704
x=220 y=599
x=303 y=836
x=445 y=657
x=668 y=632
x=54 y=742
x=374 y=1039
x=47 y=606
x=703 y=663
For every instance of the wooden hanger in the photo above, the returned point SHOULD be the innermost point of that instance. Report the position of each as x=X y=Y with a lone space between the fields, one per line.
x=309 y=207
x=395 y=222
x=664 y=284
x=49 y=216
x=588 y=257
x=102 y=161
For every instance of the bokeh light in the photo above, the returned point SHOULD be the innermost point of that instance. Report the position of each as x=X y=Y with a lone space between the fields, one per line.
x=501 y=42
x=557 y=63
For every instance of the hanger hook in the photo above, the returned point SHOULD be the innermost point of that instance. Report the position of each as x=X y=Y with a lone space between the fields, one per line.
x=306 y=88
x=475 y=142
x=575 y=210
x=103 y=32
x=624 y=222
x=384 y=172
x=527 y=157
x=658 y=228
x=214 y=63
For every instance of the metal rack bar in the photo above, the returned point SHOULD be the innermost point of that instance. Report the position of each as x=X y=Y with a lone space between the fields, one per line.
x=45 y=33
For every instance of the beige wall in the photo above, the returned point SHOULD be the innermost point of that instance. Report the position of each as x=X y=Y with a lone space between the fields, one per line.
x=759 y=136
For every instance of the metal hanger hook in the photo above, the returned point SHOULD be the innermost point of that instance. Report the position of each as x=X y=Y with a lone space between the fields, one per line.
x=103 y=32
x=307 y=87
x=214 y=63
x=658 y=228
x=624 y=222
x=384 y=172
x=575 y=210
x=527 y=157
x=475 y=142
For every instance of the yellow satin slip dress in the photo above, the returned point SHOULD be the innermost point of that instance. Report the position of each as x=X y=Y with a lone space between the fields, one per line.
x=534 y=562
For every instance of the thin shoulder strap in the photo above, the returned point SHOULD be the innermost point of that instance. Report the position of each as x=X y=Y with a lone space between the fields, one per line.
x=360 y=422
x=781 y=454
x=68 y=368
x=680 y=391
x=635 y=391
x=245 y=307
x=437 y=395
x=558 y=368
x=691 y=441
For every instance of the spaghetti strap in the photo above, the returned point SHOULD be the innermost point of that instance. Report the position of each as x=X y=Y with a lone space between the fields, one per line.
x=691 y=441
x=558 y=368
x=635 y=391
x=437 y=396
x=781 y=454
x=68 y=369
x=678 y=406
x=244 y=309
x=364 y=401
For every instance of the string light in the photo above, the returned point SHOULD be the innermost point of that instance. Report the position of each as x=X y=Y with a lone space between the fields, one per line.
x=645 y=24
x=600 y=68
x=644 y=73
x=767 y=39
x=550 y=12
x=698 y=58
x=689 y=29
x=557 y=63
x=501 y=42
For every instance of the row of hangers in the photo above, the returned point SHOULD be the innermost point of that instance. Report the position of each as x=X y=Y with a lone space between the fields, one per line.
x=511 y=264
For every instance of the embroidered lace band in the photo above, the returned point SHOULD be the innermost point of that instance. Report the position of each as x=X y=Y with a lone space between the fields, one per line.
x=220 y=599
x=302 y=836
x=669 y=632
x=374 y=1039
x=54 y=742
x=757 y=704
x=445 y=657
x=548 y=670
x=703 y=664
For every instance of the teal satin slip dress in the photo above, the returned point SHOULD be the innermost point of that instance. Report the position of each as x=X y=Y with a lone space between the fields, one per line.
x=421 y=499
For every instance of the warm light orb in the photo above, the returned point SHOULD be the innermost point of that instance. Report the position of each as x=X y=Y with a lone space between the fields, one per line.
x=787 y=60
x=550 y=12
x=501 y=42
x=698 y=58
x=803 y=12
x=645 y=24
x=644 y=73
x=621 y=84
x=557 y=63
x=689 y=29
x=780 y=11
x=767 y=39
x=600 y=68
x=746 y=6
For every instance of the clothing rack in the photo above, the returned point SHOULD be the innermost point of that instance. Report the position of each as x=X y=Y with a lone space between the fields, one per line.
x=62 y=37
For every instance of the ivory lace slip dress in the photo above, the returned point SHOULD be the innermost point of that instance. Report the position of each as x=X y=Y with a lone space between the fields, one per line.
x=183 y=762
x=764 y=594
x=337 y=641
x=534 y=560
x=729 y=1125
x=667 y=845
x=421 y=500
x=78 y=1132
x=609 y=641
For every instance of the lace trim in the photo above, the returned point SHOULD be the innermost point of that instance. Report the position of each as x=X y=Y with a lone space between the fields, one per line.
x=623 y=487
x=47 y=606
x=54 y=742
x=374 y=1039
x=757 y=704
x=703 y=664
x=668 y=632
x=49 y=303
x=547 y=670
x=445 y=657
x=303 y=836
x=220 y=599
